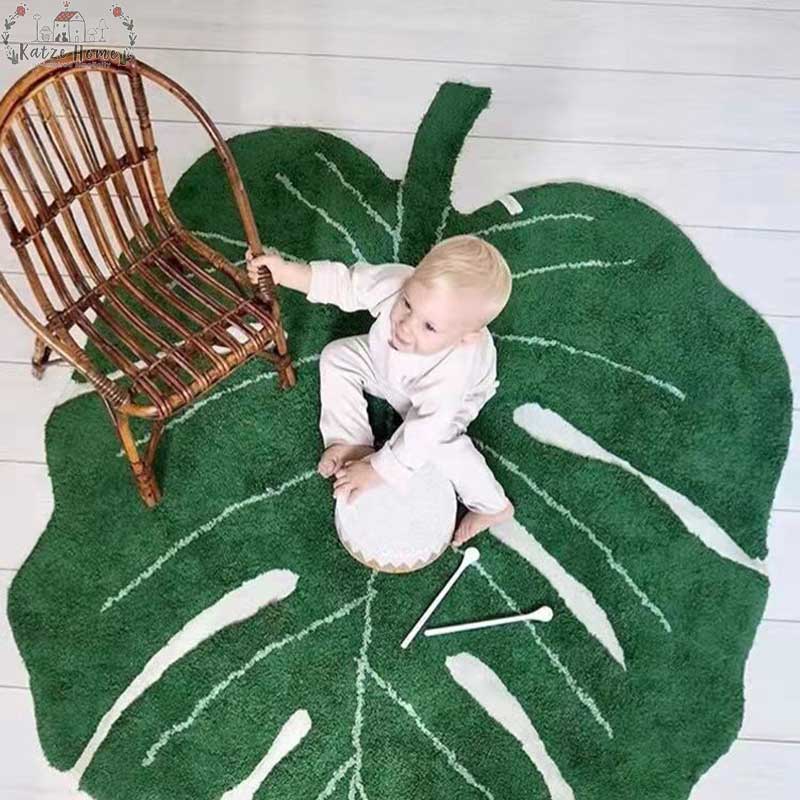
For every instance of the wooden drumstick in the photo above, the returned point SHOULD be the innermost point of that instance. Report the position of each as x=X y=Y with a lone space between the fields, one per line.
x=541 y=614
x=471 y=555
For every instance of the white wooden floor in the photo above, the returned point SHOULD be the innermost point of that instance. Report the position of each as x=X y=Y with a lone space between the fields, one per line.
x=692 y=105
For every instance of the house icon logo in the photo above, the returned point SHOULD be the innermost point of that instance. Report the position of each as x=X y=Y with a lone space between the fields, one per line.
x=68 y=30
x=69 y=26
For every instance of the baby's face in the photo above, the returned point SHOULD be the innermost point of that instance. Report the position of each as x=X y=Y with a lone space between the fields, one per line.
x=428 y=319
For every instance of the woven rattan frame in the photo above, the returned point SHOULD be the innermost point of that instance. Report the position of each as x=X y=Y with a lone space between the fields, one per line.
x=141 y=297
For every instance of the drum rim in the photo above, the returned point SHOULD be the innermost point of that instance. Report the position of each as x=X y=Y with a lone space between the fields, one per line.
x=395 y=570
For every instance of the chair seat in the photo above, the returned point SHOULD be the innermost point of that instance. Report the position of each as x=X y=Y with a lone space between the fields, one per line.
x=254 y=342
x=172 y=325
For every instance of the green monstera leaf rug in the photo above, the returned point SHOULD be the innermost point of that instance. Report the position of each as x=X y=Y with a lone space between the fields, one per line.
x=224 y=644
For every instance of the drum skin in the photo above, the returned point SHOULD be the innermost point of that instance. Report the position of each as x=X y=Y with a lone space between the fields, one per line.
x=392 y=530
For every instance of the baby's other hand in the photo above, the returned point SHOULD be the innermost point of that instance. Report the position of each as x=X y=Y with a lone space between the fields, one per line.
x=271 y=260
x=353 y=479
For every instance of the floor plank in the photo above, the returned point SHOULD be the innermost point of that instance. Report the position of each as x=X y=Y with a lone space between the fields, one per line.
x=783 y=602
x=22 y=434
x=27 y=501
x=759 y=266
x=691 y=187
x=752 y=771
x=25 y=405
x=787 y=493
x=16 y=340
x=772 y=706
x=668 y=35
x=546 y=105
x=25 y=774
x=787 y=332
x=772 y=691
x=26 y=497
x=12 y=668
x=737 y=189
x=715 y=5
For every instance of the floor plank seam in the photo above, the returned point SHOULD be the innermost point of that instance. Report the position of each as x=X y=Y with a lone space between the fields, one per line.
x=686 y=5
x=460 y=62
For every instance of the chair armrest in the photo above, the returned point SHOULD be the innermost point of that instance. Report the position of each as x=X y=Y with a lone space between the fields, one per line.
x=266 y=287
x=66 y=347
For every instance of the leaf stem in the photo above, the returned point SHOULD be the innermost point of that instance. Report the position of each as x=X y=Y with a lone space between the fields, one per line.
x=437 y=144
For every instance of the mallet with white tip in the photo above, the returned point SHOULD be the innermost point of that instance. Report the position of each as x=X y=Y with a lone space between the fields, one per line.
x=541 y=614
x=471 y=555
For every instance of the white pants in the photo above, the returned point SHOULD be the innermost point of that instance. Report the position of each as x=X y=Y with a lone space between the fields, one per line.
x=346 y=372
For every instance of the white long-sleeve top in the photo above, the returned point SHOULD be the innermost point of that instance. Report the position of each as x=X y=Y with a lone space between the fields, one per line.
x=445 y=389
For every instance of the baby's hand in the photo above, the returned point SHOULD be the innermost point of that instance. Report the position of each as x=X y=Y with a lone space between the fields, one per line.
x=353 y=479
x=271 y=260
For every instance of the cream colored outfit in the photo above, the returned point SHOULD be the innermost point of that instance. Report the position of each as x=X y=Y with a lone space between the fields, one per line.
x=437 y=395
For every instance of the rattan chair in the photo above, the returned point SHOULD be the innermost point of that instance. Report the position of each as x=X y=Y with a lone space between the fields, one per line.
x=149 y=314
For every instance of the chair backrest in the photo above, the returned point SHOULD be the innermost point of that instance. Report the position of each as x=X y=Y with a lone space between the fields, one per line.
x=82 y=188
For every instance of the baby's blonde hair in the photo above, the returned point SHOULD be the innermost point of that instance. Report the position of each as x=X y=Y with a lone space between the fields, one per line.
x=468 y=262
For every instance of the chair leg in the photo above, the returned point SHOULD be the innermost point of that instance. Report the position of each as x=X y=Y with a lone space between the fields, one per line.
x=41 y=355
x=142 y=468
x=280 y=360
x=286 y=377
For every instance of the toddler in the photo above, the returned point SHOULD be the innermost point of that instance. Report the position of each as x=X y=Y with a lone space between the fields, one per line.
x=428 y=353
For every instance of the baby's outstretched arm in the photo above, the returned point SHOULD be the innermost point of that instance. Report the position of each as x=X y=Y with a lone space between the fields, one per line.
x=291 y=274
x=362 y=286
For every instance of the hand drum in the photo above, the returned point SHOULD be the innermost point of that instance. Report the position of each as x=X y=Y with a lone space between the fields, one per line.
x=399 y=531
